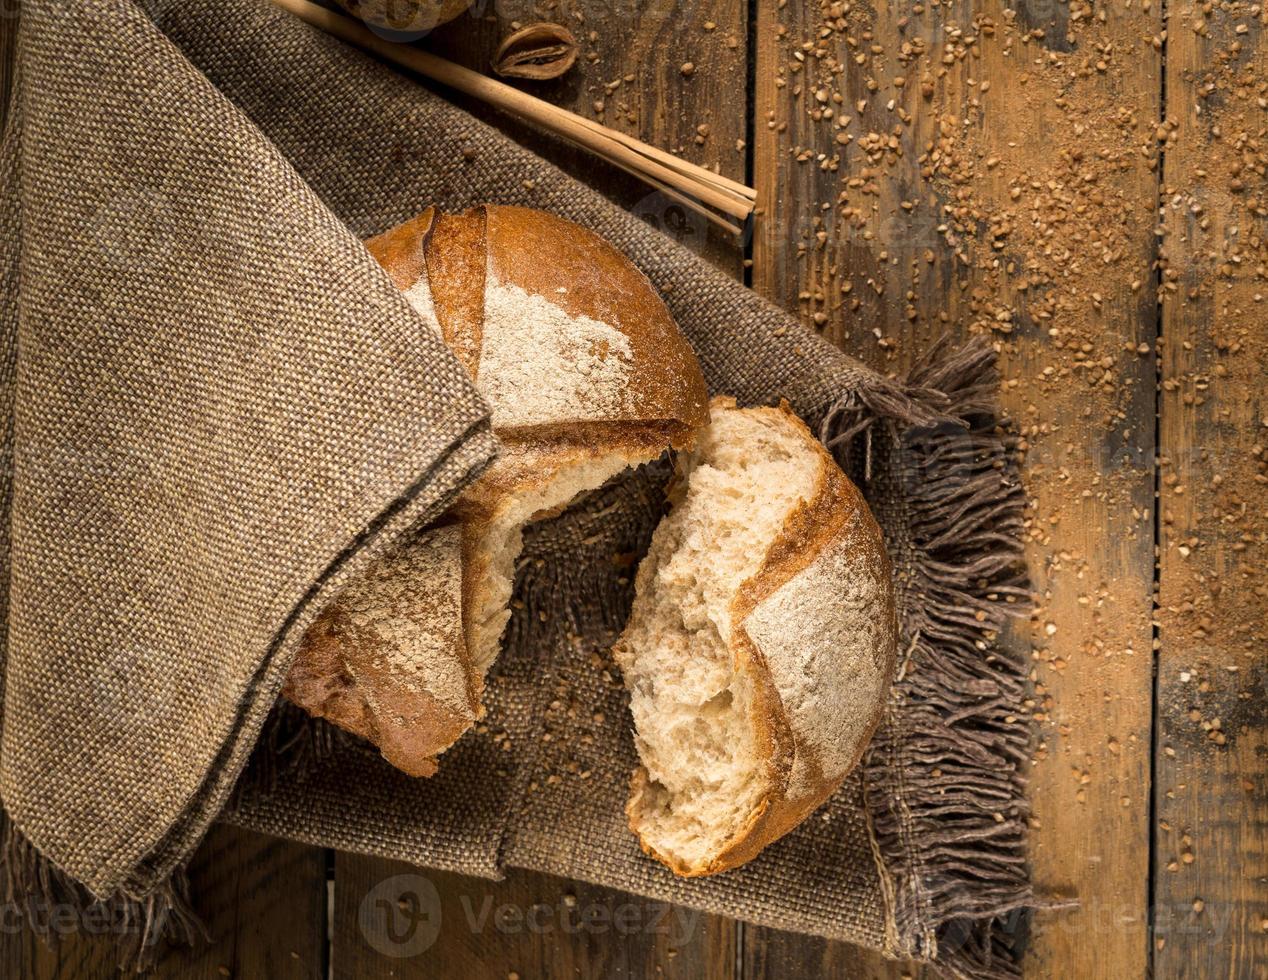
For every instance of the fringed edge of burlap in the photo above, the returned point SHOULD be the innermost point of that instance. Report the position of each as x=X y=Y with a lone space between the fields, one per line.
x=53 y=905
x=944 y=779
x=292 y=745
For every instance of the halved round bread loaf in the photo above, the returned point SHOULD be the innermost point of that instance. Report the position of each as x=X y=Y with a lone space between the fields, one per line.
x=585 y=373
x=761 y=644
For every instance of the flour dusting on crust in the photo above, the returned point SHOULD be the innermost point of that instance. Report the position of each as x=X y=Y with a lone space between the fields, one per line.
x=539 y=365
x=406 y=609
x=820 y=634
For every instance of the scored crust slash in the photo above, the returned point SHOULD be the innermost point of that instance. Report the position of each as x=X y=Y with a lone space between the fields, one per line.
x=761 y=644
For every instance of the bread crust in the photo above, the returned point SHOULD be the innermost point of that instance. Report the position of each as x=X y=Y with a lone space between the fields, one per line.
x=359 y=667
x=665 y=381
x=460 y=255
x=402 y=250
x=445 y=264
x=798 y=777
x=456 y=269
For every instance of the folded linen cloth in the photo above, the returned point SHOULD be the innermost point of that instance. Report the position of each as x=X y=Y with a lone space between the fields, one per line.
x=218 y=410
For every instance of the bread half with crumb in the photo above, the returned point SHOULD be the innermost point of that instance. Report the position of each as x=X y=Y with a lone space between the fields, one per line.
x=585 y=373
x=761 y=644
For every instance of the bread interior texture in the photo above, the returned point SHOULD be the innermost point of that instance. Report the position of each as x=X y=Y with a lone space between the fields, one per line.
x=693 y=707
x=498 y=542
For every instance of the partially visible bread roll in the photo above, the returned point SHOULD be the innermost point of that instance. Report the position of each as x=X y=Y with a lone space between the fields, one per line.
x=388 y=660
x=406 y=16
x=586 y=374
x=761 y=643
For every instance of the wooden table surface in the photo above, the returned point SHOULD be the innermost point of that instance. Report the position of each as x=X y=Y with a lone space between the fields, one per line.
x=1085 y=183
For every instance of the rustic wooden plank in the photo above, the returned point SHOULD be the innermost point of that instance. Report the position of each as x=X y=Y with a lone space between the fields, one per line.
x=23 y=954
x=769 y=954
x=671 y=73
x=395 y=920
x=264 y=903
x=1211 y=795
x=967 y=168
x=630 y=76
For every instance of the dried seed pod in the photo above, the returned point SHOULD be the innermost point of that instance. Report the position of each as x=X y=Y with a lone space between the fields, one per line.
x=537 y=51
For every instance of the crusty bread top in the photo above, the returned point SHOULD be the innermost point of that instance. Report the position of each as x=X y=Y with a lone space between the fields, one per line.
x=556 y=326
x=820 y=609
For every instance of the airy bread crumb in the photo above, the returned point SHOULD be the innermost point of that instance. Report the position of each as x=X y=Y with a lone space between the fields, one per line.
x=693 y=709
x=760 y=645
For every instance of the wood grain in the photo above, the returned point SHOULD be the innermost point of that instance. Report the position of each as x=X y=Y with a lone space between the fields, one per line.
x=263 y=901
x=965 y=168
x=769 y=954
x=1211 y=834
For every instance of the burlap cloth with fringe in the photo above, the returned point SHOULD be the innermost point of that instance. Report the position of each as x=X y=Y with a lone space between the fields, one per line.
x=218 y=409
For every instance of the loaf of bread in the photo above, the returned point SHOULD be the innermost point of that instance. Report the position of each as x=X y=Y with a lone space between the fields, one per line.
x=761 y=644
x=585 y=373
